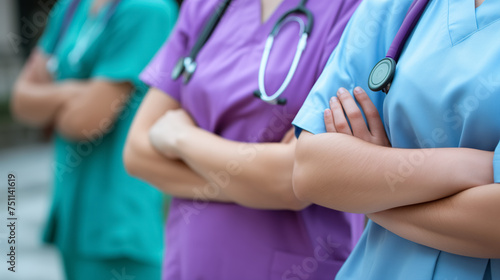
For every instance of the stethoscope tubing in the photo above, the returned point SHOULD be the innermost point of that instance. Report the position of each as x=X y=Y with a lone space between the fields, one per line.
x=305 y=31
x=383 y=72
x=186 y=66
x=302 y=44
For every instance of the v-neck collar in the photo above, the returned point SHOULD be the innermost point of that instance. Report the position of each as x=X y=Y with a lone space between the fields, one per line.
x=464 y=19
x=487 y=13
x=284 y=6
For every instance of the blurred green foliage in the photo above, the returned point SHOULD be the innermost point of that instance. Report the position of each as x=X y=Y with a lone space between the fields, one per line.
x=4 y=111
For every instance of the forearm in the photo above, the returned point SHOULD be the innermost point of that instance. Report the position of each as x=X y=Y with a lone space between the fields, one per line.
x=253 y=175
x=38 y=104
x=143 y=161
x=93 y=108
x=36 y=98
x=464 y=224
x=170 y=176
x=348 y=174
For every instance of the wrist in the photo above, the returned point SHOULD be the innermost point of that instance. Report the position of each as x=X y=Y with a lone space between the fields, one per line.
x=477 y=170
x=66 y=89
x=183 y=143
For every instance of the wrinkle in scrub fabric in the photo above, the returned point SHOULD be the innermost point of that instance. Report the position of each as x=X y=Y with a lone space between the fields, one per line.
x=445 y=94
x=228 y=241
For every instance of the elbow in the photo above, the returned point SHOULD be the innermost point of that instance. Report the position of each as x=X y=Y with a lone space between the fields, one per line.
x=297 y=204
x=283 y=183
x=74 y=127
x=290 y=200
x=130 y=159
x=135 y=158
x=302 y=190
x=299 y=186
x=311 y=183
x=71 y=129
x=301 y=178
x=306 y=189
x=21 y=111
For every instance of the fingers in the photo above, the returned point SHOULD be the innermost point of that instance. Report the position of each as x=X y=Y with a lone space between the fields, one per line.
x=371 y=112
x=341 y=124
x=343 y=108
x=353 y=113
x=329 y=124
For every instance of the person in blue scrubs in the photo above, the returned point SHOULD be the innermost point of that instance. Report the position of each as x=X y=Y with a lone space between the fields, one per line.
x=427 y=174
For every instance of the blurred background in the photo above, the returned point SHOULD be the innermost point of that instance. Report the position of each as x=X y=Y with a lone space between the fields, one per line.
x=21 y=24
x=23 y=150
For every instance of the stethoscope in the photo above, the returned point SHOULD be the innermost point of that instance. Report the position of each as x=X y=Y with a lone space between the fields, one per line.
x=186 y=66
x=382 y=74
x=92 y=33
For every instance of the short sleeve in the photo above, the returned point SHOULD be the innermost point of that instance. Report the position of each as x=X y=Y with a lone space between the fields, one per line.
x=158 y=73
x=364 y=42
x=496 y=165
x=47 y=42
x=339 y=24
x=135 y=33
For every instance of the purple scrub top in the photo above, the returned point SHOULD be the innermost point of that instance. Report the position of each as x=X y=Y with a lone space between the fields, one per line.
x=228 y=241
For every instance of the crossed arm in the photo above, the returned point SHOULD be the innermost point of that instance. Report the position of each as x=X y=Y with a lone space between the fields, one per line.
x=75 y=107
x=446 y=202
x=168 y=150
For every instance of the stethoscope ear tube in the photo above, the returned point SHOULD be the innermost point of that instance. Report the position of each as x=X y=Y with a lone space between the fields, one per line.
x=299 y=10
x=209 y=29
x=186 y=66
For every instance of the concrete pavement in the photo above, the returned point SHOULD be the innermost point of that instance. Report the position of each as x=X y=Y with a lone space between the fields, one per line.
x=34 y=260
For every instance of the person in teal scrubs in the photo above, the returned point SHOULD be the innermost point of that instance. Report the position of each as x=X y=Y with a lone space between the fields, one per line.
x=106 y=224
x=432 y=198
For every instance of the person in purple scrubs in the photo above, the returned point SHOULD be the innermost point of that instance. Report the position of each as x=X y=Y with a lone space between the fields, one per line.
x=227 y=156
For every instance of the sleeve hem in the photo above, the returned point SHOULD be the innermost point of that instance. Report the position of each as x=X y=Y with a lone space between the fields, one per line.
x=118 y=78
x=309 y=120
x=152 y=81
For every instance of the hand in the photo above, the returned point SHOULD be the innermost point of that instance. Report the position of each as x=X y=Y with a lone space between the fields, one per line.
x=44 y=76
x=344 y=105
x=36 y=68
x=165 y=134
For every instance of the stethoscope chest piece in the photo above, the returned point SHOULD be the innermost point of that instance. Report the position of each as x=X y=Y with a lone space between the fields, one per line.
x=382 y=75
x=178 y=69
x=273 y=101
x=186 y=67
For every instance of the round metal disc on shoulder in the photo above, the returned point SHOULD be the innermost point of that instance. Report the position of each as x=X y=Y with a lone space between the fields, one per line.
x=382 y=74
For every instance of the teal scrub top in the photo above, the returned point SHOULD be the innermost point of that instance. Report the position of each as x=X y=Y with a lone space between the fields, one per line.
x=446 y=93
x=98 y=209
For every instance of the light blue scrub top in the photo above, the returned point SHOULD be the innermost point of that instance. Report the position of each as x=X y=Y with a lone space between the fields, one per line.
x=446 y=93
